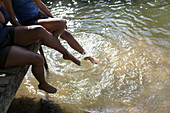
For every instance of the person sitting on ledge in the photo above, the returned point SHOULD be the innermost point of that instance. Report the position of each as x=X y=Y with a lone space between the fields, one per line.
x=13 y=41
x=28 y=14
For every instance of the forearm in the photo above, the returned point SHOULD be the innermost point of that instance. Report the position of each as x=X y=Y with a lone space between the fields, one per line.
x=46 y=11
x=15 y=22
x=43 y=7
x=7 y=4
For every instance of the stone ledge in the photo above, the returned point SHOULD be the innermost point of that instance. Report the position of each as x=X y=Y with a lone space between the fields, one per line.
x=10 y=83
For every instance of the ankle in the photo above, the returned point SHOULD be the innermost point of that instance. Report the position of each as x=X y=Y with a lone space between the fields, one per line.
x=83 y=52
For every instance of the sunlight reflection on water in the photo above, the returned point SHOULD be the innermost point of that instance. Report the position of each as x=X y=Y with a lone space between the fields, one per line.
x=132 y=47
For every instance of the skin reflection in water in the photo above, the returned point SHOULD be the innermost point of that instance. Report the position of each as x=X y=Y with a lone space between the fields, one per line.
x=132 y=46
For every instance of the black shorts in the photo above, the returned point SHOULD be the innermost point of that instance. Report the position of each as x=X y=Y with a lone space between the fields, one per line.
x=6 y=46
x=34 y=19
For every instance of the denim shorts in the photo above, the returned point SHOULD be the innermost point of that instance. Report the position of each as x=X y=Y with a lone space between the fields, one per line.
x=34 y=19
x=6 y=46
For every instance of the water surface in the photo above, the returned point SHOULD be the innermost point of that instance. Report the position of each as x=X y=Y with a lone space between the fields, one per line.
x=131 y=40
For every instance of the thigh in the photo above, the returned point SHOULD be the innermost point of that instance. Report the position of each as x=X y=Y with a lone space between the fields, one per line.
x=19 y=56
x=52 y=24
x=3 y=55
x=25 y=35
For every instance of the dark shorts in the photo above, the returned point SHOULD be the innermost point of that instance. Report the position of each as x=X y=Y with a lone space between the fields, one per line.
x=34 y=19
x=6 y=46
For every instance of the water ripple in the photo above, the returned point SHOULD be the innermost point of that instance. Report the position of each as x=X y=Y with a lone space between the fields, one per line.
x=131 y=40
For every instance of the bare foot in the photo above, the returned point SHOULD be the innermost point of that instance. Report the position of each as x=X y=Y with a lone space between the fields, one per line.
x=48 y=88
x=1 y=74
x=92 y=59
x=72 y=58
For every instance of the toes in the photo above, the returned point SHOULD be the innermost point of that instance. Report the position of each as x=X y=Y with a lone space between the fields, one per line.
x=48 y=89
x=92 y=59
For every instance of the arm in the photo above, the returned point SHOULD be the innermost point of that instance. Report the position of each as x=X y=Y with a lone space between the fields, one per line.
x=2 y=19
x=7 y=4
x=43 y=8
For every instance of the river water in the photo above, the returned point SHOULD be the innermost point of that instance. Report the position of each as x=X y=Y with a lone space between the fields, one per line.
x=131 y=40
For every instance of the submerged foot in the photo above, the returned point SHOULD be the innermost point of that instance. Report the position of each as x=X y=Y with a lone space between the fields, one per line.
x=47 y=88
x=92 y=59
x=72 y=58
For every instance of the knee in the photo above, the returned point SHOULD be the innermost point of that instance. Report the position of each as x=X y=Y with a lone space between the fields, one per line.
x=37 y=27
x=39 y=31
x=38 y=59
x=63 y=23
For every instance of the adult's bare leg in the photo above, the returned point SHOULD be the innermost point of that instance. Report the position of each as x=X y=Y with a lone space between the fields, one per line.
x=72 y=42
x=19 y=56
x=24 y=35
x=53 y=25
x=50 y=24
x=45 y=61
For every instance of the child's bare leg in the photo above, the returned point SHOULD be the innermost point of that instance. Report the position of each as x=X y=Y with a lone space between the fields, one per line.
x=24 y=57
